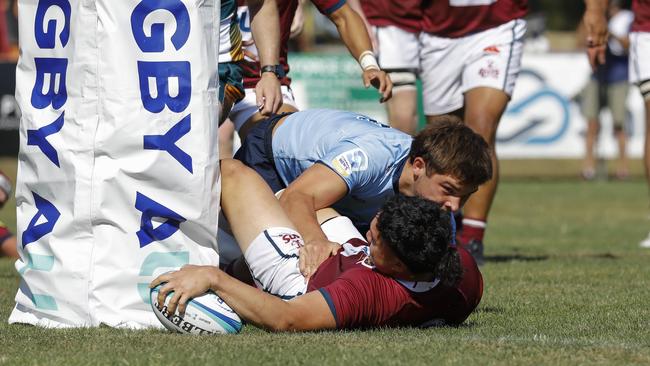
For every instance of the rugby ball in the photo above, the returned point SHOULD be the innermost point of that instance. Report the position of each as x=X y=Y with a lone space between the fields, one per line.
x=205 y=314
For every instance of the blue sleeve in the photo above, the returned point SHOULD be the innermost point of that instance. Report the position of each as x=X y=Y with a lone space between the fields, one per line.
x=352 y=164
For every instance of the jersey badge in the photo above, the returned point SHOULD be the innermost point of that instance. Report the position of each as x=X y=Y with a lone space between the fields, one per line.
x=354 y=160
x=489 y=71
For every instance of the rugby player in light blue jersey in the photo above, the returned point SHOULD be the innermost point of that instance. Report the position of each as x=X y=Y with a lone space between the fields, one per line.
x=330 y=158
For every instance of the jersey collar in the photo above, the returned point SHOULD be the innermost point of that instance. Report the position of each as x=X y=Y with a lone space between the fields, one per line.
x=419 y=286
x=398 y=172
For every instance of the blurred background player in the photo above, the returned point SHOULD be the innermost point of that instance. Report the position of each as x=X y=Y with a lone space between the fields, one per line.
x=264 y=24
x=470 y=58
x=7 y=238
x=353 y=34
x=394 y=27
x=640 y=73
x=608 y=87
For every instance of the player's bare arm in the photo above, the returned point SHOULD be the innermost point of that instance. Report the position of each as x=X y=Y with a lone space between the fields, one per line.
x=265 y=25
x=354 y=35
x=318 y=187
x=298 y=22
x=596 y=28
x=356 y=6
x=305 y=312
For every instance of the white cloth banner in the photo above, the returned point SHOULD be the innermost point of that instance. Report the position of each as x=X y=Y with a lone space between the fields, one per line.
x=543 y=119
x=118 y=176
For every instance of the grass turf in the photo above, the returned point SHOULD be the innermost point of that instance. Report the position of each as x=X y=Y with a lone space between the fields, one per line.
x=565 y=280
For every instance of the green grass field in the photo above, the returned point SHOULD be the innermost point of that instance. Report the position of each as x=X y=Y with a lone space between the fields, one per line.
x=566 y=283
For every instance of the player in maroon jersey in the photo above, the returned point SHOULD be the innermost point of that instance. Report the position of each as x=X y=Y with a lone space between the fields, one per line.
x=353 y=34
x=640 y=73
x=470 y=57
x=394 y=27
x=7 y=238
x=403 y=273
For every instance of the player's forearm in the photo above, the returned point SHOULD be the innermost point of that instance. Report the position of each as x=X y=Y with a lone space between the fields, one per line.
x=301 y=210
x=356 y=6
x=352 y=30
x=256 y=307
x=265 y=26
x=596 y=5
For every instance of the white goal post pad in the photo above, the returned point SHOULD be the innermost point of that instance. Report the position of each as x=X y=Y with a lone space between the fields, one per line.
x=118 y=175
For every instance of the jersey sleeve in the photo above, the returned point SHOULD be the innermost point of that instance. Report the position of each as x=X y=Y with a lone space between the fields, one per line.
x=362 y=298
x=352 y=163
x=327 y=7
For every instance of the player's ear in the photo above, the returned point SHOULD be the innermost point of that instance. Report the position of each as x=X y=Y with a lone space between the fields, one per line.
x=419 y=166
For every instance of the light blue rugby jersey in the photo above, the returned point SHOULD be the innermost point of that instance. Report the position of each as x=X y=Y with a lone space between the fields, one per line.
x=368 y=155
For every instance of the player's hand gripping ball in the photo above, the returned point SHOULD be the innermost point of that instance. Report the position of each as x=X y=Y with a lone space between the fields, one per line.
x=205 y=314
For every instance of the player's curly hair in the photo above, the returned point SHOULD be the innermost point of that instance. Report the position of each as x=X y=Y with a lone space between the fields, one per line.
x=419 y=233
x=448 y=146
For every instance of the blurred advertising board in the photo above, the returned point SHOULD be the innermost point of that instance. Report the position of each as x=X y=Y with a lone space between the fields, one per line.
x=543 y=119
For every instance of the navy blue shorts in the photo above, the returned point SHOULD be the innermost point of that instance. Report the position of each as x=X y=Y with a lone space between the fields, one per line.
x=256 y=152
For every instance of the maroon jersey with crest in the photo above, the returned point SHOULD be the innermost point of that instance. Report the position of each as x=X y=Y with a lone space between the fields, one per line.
x=641 y=10
x=458 y=18
x=286 y=11
x=359 y=296
x=405 y=14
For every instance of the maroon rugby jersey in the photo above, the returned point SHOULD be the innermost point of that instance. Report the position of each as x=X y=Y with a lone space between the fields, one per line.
x=405 y=14
x=458 y=18
x=641 y=10
x=361 y=297
x=286 y=11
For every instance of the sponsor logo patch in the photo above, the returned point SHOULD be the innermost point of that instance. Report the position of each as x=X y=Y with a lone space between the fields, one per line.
x=292 y=239
x=492 y=49
x=354 y=160
x=490 y=71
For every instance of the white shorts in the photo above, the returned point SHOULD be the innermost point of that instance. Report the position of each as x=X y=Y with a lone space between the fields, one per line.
x=273 y=261
x=247 y=107
x=274 y=254
x=398 y=53
x=340 y=229
x=639 y=61
x=452 y=66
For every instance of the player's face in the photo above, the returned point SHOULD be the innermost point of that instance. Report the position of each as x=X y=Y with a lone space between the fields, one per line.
x=381 y=256
x=446 y=190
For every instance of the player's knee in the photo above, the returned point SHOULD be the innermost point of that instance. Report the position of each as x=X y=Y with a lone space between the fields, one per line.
x=232 y=168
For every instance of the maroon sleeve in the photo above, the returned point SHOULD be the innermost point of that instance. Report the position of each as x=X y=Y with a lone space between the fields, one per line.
x=327 y=7
x=364 y=298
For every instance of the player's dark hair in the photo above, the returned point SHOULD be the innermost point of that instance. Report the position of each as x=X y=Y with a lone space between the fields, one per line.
x=419 y=233
x=450 y=147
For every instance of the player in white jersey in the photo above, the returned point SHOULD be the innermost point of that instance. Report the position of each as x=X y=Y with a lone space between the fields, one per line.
x=351 y=162
x=264 y=24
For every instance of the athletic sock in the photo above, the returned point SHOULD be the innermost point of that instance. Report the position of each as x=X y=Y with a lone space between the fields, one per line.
x=472 y=230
